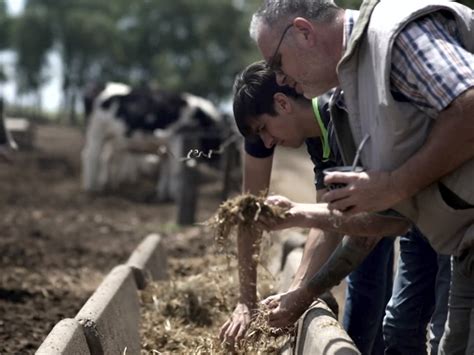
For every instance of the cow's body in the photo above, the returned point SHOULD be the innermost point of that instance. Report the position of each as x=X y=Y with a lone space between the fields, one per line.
x=125 y=124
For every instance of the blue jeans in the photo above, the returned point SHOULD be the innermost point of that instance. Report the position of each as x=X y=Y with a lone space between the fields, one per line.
x=369 y=288
x=458 y=337
x=420 y=295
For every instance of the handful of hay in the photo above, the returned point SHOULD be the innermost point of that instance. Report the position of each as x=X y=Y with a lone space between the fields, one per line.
x=242 y=211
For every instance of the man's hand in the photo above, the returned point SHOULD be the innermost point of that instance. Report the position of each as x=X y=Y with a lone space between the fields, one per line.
x=369 y=191
x=280 y=201
x=292 y=214
x=286 y=308
x=233 y=331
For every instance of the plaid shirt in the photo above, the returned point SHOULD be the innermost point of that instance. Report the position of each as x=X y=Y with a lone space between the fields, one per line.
x=430 y=68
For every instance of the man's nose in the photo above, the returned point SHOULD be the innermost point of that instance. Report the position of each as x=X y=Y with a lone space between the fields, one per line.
x=267 y=139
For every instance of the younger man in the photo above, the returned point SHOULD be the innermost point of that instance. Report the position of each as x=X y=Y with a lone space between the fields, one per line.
x=282 y=116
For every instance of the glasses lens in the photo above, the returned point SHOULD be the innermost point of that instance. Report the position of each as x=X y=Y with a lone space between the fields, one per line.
x=275 y=61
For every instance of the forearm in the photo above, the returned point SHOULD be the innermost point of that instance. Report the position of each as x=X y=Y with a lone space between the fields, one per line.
x=318 y=248
x=359 y=225
x=449 y=145
x=247 y=250
x=345 y=259
x=256 y=179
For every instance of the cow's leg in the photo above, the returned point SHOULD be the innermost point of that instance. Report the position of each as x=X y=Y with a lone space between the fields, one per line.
x=106 y=167
x=168 y=178
x=175 y=167
x=162 y=187
x=91 y=153
x=110 y=158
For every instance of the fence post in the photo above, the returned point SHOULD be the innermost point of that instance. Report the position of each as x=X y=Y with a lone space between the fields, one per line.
x=228 y=164
x=187 y=196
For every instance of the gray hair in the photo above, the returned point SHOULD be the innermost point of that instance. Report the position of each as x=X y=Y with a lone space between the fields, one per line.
x=272 y=12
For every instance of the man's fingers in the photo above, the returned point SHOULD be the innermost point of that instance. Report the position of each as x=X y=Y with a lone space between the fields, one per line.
x=274 y=315
x=344 y=205
x=277 y=331
x=223 y=330
x=335 y=195
x=231 y=334
x=240 y=334
x=278 y=200
x=270 y=302
x=342 y=178
x=272 y=305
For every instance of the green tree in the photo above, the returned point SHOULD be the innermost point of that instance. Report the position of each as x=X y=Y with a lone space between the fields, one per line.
x=190 y=45
x=5 y=35
x=80 y=31
x=195 y=46
x=31 y=38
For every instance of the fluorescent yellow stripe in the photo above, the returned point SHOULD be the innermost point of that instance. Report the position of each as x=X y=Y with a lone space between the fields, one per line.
x=324 y=131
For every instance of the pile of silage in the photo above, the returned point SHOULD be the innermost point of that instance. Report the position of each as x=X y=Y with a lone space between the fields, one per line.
x=183 y=315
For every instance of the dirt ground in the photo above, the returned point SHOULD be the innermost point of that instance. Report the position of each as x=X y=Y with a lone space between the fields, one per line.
x=57 y=243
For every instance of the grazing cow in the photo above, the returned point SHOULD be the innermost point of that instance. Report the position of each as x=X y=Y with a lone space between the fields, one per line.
x=127 y=123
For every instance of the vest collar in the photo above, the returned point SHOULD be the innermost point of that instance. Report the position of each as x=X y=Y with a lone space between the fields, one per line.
x=360 y=27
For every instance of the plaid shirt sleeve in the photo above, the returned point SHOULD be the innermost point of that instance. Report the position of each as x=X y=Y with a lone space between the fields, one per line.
x=430 y=68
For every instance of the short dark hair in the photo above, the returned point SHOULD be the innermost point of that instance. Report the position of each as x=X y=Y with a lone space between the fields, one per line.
x=254 y=89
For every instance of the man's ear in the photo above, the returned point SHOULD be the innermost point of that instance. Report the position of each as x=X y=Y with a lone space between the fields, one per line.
x=282 y=103
x=305 y=32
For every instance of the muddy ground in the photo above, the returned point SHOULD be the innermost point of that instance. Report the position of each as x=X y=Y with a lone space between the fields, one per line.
x=57 y=243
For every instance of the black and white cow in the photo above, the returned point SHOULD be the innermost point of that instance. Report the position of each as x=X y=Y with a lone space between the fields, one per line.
x=126 y=123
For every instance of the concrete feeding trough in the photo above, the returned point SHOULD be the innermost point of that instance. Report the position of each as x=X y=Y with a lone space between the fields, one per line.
x=109 y=321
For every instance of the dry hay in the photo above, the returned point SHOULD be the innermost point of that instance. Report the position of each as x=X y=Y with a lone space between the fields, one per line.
x=183 y=316
x=242 y=211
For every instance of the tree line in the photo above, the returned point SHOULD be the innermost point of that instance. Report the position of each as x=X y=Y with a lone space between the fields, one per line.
x=189 y=45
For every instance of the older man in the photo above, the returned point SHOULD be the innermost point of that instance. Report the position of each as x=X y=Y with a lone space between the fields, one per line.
x=407 y=77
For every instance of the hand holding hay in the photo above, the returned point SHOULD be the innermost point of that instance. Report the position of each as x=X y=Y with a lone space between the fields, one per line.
x=244 y=211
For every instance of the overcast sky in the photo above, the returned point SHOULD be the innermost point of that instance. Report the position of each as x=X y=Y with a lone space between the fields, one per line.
x=50 y=94
x=15 y=6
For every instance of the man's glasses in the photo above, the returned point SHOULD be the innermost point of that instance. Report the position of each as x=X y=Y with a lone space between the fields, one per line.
x=275 y=60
